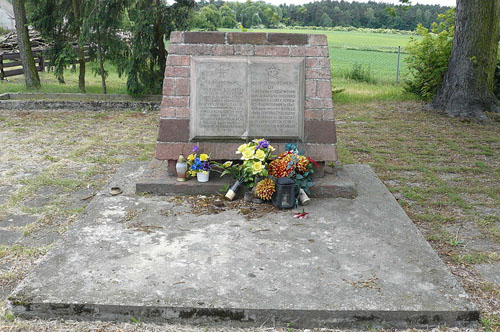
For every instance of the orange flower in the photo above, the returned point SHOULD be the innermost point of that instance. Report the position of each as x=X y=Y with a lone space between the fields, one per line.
x=265 y=189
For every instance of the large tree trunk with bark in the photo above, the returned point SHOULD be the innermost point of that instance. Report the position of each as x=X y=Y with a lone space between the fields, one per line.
x=467 y=89
x=30 y=72
x=81 y=51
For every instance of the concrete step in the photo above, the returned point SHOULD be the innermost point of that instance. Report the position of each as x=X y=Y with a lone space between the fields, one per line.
x=354 y=263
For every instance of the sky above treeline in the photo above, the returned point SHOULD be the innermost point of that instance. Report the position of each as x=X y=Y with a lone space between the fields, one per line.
x=422 y=2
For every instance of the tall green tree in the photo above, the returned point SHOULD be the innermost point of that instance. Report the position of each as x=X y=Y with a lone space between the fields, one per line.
x=81 y=52
x=228 y=17
x=31 y=77
x=208 y=18
x=102 y=22
x=55 y=20
x=151 y=23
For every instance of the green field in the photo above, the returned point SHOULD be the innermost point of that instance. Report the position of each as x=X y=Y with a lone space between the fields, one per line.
x=376 y=51
x=349 y=38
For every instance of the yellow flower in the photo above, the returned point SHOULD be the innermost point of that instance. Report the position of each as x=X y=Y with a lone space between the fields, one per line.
x=247 y=154
x=261 y=155
x=203 y=156
x=242 y=148
x=257 y=167
x=271 y=148
x=257 y=140
x=227 y=164
x=191 y=157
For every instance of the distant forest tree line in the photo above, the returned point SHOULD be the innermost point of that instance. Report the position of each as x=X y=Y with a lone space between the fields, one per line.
x=214 y=14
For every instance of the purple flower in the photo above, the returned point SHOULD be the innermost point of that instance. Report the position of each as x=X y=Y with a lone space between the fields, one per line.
x=196 y=148
x=263 y=144
x=206 y=166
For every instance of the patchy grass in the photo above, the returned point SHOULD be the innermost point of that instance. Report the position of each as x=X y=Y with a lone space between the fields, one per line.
x=360 y=92
x=53 y=168
x=444 y=172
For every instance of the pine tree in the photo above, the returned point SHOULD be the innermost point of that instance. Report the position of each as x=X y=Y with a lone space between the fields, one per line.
x=101 y=24
x=151 y=23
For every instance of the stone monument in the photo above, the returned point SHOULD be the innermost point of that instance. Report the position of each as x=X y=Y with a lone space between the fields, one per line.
x=224 y=88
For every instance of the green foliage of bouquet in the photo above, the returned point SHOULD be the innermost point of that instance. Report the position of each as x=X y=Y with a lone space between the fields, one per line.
x=254 y=156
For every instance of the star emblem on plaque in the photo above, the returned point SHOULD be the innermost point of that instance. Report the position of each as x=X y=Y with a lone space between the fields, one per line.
x=272 y=72
x=221 y=71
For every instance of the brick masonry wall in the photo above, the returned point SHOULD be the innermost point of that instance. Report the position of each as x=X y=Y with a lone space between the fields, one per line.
x=319 y=122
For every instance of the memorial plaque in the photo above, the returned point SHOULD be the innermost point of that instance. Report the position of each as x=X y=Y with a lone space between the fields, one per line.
x=276 y=98
x=247 y=97
x=219 y=106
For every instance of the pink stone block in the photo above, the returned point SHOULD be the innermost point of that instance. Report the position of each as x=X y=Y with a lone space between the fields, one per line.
x=191 y=49
x=321 y=152
x=313 y=114
x=308 y=51
x=318 y=62
x=265 y=50
x=310 y=88
x=182 y=112
x=244 y=50
x=315 y=39
x=177 y=71
x=318 y=103
x=178 y=60
x=318 y=73
x=176 y=37
x=223 y=50
x=225 y=151
x=324 y=89
x=168 y=86
x=182 y=86
x=167 y=112
x=174 y=101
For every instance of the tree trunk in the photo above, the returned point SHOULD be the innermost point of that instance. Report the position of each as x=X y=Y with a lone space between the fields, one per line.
x=101 y=60
x=467 y=89
x=30 y=72
x=81 y=51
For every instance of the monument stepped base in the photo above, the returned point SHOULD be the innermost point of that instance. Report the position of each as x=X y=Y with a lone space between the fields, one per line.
x=156 y=181
x=353 y=263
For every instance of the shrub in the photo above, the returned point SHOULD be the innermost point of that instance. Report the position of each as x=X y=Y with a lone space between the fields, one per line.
x=496 y=80
x=359 y=73
x=428 y=58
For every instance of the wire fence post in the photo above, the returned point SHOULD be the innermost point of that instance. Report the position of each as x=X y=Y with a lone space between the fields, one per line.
x=397 y=69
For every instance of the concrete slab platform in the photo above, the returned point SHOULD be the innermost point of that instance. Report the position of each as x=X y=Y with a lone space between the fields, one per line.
x=353 y=263
x=156 y=181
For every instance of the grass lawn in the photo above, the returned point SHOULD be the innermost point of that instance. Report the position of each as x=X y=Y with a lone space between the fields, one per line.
x=114 y=83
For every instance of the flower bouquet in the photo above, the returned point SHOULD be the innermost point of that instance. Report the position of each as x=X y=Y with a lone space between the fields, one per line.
x=296 y=166
x=199 y=166
x=254 y=156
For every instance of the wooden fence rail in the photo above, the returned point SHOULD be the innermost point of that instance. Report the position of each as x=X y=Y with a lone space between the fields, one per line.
x=38 y=56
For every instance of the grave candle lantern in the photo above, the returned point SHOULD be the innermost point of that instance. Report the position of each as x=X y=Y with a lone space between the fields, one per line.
x=284 y=198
